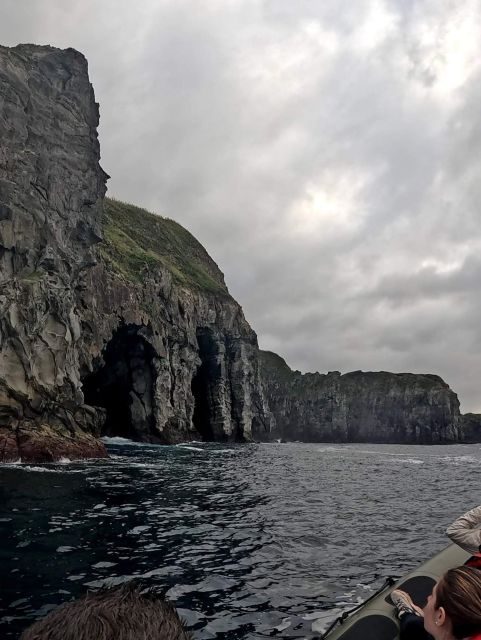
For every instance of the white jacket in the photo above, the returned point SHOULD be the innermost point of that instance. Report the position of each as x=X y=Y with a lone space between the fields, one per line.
x=466 y=531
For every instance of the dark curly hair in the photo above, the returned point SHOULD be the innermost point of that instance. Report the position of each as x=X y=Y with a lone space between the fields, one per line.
x=119 y=613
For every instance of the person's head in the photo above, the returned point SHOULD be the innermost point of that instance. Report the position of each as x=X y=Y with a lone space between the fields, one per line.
x=118 y=613
x=453 y=609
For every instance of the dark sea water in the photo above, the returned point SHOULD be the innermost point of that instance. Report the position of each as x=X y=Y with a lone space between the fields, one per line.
x=248 y=541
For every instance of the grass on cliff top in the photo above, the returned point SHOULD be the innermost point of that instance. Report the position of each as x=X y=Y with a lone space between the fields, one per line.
x=136 y=242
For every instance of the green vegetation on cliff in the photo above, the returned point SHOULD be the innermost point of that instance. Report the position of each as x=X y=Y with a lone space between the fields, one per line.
x=137 y=242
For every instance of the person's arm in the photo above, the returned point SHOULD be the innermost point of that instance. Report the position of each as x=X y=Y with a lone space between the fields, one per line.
x=466 y=531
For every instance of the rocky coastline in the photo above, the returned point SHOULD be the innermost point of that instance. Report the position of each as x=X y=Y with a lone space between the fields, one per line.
x=115 y=321
x=360 y=406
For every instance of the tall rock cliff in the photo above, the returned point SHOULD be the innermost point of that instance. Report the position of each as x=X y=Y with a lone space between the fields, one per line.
x=165 y=349
x=131 y=334
x=471 y=427
x=358 y=406
x=51 y=189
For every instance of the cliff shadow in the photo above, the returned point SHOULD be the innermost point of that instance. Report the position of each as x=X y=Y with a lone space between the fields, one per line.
x=206 y=389
x=123 y=385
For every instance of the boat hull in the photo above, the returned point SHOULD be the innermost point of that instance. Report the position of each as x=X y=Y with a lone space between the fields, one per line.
x=376 y=620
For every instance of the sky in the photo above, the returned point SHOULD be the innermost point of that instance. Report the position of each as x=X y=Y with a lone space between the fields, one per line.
x=326 y=153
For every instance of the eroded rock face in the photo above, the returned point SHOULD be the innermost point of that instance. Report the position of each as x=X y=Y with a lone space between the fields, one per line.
x=359 y=406
x=471 y=427
x=51 y=189
x=85 y=351
x=185 y=366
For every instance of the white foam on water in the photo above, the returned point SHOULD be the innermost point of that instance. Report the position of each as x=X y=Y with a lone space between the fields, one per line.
x=456 y=460
x=184 y=446
x=143 y=465
x=21 y=466
x=117 y=440
x=189 y=443
x=379 y=453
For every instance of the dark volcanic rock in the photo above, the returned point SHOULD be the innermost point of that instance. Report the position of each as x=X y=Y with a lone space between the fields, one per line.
x=471 y=427
x=135 y=335
x=357 y=406
x=44 y=443
x=51 y=190
x=168 y=353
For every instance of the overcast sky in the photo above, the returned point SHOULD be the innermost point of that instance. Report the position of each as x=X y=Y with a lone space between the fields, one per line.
x=326 y=153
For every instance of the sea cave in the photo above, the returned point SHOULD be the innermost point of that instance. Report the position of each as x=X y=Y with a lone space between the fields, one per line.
x=122 y=383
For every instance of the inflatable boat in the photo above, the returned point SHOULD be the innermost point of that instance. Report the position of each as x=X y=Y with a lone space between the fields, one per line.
x=376 y=618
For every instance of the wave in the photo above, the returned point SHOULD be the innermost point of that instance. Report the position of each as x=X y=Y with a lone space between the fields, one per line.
x=125 y=442
x=188 y=443
x=27 y=467
x=118 y=440
x=460 y=459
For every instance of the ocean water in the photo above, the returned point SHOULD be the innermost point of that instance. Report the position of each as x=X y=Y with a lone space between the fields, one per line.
x=248 y=541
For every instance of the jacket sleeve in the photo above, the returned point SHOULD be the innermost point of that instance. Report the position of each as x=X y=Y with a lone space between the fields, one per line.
x=465 y=531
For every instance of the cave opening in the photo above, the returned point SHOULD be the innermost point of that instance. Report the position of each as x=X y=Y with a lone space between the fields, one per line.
x=205 y=384
x=123 y=385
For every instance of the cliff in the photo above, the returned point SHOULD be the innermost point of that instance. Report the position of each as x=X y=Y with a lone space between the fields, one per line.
x=359 y=406
x=165 y=349
x=115 y=321
x=51 y=190
x=471 y=427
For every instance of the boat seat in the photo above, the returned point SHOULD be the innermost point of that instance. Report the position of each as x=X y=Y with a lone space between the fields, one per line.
x=418 y=587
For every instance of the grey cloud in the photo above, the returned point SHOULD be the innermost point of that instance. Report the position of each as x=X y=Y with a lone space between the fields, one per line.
x=250 y=121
